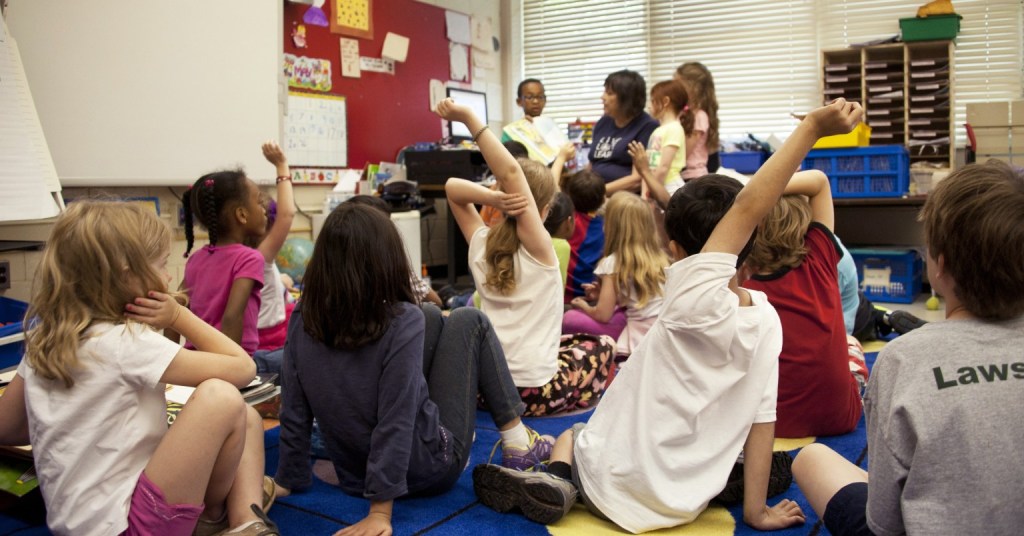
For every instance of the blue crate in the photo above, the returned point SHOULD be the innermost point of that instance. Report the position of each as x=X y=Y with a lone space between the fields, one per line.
x=875 y=171
x=744 y=161
x=12 y=312
x=889 y=275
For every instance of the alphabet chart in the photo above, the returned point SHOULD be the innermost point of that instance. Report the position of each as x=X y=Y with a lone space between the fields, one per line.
x=316 y=133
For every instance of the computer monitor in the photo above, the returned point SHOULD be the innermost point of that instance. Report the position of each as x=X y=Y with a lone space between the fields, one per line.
x=477 y=101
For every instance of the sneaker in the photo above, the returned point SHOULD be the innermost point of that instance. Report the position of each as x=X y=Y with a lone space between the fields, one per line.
x=779 y=480
x=903 y=322
x=542 y=497
x=537 y=454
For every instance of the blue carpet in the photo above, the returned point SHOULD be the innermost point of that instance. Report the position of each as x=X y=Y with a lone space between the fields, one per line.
x=324 y=509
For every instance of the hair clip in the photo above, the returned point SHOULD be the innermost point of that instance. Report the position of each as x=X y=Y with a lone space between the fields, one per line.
x=208 y=183
x=686 y=108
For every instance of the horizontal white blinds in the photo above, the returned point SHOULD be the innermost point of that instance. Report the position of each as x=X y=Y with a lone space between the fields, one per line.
x=572 y=46
x=762 y=55
x=765 y=56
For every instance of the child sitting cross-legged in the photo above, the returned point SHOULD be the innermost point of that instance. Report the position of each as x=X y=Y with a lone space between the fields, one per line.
x=943 y=404
x=700 y=388
x=795 y=257
x=519 y=280
x=392 y=384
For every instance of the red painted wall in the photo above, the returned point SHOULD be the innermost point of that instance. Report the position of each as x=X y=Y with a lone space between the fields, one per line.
x=385 y=112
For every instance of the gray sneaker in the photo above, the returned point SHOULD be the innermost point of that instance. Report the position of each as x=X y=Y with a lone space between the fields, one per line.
x=542 y=497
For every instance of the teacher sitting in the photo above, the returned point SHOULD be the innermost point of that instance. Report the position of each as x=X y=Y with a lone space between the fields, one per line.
x=624 y=120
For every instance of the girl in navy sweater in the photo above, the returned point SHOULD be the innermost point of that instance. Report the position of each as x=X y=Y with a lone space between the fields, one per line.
x=394 y=386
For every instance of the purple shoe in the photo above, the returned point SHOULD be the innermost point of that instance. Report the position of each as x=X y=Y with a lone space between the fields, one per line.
x=538 y=453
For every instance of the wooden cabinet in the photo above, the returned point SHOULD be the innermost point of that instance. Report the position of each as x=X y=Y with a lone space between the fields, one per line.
x=907 y=93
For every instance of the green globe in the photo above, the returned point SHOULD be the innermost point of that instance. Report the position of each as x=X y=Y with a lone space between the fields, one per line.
x=294 y=257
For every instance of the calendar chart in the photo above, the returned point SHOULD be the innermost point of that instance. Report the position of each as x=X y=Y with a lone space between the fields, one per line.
x=316 y=133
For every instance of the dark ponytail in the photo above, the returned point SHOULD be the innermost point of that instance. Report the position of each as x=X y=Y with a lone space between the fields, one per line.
x=186 y=205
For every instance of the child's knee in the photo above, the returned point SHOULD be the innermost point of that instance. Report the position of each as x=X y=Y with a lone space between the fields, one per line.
x=218 y=396
x=809 y=458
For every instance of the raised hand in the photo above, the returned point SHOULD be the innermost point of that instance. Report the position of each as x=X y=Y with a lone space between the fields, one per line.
x=450 y=110
x=839 y=117
x=273 y=153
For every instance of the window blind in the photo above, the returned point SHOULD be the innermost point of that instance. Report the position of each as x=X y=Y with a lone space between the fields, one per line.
x=765 y=56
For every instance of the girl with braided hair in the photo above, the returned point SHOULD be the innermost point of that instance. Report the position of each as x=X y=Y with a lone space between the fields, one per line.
x=224 y=278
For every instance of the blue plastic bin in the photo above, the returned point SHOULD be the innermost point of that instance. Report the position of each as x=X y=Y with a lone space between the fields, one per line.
x=875 y=171
x=889 y=275
x=744 y=161
x=12 y=337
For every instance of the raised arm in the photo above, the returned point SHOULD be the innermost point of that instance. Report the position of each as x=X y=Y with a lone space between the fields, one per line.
x=565 y=153
x=764 y=190
x=278 y=233
x=814 y=184
x=511 y=180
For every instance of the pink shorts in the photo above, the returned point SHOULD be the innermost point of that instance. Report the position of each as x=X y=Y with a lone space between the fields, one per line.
x=149 y=512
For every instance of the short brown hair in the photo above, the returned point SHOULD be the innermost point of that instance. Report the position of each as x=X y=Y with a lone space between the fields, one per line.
x=586 y=189
x=974 y=219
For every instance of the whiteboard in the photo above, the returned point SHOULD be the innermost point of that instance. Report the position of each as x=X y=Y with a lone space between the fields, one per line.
x=315 y=130
x=152 y=93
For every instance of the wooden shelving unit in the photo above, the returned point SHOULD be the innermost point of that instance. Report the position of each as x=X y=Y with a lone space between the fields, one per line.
x=906 y=90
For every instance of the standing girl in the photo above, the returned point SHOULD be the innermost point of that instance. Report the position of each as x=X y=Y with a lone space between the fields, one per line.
x=393 y=386
x=632 y=272
x=93 y=382
x=517 y=274
x=702 y=138
x=666 y=151
x=223 y=279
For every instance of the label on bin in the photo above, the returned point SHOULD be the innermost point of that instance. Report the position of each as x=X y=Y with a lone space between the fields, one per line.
x=877 y=279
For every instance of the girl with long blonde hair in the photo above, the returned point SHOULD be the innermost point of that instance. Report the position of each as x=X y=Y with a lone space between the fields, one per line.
x=89 y=394
x=520 y=282
x=632 y=272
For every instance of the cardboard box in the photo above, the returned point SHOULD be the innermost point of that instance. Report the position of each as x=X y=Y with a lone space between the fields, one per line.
x=992 y=140
x=988 y=114
x=1017 y=113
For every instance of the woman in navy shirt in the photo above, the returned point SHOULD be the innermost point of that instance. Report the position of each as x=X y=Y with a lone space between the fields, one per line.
x=624 y=120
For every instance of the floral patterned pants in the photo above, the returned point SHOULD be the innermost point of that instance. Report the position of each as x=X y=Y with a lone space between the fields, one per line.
x=584 y=362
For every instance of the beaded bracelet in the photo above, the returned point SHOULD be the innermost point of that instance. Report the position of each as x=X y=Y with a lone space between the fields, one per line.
x=283 y=178
x=479 y=132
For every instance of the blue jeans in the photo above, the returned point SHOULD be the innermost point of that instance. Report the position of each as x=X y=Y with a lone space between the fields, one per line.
x=462 y=357
x=268 y=361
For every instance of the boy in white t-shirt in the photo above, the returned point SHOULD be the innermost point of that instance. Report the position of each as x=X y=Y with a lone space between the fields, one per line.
x=699 y=389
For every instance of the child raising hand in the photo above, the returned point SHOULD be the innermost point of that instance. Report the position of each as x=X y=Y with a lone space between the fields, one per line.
x=519 y=279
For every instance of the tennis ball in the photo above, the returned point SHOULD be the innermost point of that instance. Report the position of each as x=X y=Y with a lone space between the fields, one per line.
x=932 y=304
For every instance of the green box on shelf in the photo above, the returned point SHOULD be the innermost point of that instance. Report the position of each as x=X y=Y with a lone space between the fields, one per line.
x=932 y=28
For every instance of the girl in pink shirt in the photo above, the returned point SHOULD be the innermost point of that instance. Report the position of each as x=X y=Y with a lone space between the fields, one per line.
x=702 y=138
x=224 y=278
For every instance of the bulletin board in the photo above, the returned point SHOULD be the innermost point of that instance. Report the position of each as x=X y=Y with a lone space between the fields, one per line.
x=384 y=112
x=315 y=133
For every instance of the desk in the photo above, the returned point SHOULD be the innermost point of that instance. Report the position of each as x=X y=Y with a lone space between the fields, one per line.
x=430 y=170
x=879 y=221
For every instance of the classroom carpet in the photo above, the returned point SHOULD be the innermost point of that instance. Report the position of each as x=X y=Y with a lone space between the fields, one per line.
x=324 y=509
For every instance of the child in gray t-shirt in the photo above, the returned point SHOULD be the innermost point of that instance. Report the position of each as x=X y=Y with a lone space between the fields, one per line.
x=943 y=403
